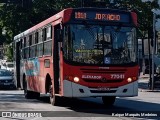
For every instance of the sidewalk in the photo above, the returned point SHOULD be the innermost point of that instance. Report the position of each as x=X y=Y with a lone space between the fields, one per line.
x=143 y=84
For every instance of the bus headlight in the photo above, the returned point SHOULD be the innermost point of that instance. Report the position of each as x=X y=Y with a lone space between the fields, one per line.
x=129 y=80
x=76 y=79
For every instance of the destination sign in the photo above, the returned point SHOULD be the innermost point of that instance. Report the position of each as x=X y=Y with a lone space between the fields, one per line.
x=117 y=17
x=108 y=17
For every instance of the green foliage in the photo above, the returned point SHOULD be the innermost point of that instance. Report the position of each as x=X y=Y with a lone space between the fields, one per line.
x=62 y=4
x=144 y=13
x=9 y=53
x=16 y=18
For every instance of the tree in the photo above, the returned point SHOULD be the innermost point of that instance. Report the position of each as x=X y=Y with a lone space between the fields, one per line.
x=9 y=53
x=16 y=17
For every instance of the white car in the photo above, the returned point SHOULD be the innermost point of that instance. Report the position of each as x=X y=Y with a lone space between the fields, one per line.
x=8 y=66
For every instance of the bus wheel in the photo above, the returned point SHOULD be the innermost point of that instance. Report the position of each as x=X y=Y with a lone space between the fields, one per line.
x=31 y=95
x=52 y=95
x=28 y=94
x=35 y=95
x=108 y=100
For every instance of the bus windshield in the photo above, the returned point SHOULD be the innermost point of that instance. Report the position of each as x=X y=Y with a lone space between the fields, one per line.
x=97 y=44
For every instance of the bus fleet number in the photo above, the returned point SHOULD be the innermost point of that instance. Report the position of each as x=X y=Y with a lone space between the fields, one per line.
x=117 y=76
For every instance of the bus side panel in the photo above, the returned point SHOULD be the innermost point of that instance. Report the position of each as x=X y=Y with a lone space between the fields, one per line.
x=48 y=71
x=29 y=74
x=41 y=76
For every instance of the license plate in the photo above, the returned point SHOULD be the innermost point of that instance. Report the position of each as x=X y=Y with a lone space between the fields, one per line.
x=104 y=89
x=6 y=83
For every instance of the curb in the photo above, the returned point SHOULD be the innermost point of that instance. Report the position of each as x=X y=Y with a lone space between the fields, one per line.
x=147 y=90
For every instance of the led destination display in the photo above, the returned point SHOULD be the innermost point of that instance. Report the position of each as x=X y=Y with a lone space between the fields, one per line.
x=102 y=16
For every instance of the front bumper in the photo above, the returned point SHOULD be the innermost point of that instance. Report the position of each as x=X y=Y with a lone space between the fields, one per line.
x=72 y=89
x=7 y=84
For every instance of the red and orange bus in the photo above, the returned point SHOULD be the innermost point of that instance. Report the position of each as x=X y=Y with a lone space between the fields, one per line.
x=79 y=52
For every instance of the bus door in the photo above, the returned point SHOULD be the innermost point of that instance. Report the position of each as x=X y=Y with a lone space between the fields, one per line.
x=56 y=58
x=17 y=64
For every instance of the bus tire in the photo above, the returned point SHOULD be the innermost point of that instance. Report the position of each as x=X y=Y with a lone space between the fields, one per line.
x=31 y=95
x=108 y=100
x=27 y=93
x=53 y=98
x=35 y=95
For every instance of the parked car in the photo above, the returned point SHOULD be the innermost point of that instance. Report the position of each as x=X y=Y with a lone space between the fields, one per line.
x=6 y=79
x=8 y=66
x=3 y=66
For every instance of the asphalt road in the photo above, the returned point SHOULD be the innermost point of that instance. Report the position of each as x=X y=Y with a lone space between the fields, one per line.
x=145 y=105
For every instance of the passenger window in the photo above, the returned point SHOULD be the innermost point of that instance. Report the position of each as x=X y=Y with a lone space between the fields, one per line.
x=36 y=37
x=44 y=34
x=40 y=36
x=49 y=32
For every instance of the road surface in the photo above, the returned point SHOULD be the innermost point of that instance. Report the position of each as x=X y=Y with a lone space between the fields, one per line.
x=146 y=104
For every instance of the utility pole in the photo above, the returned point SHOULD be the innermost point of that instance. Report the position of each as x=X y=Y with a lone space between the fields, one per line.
x=153 y=50
x=149 y=60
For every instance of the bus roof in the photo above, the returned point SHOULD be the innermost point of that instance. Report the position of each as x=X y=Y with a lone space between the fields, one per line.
x=43 y=23
x=59 y=16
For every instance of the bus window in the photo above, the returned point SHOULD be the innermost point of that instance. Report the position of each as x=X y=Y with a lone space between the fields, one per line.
x=40 y=44
x=21 y=43
x=48 y=48
x=33 y=39
x=36 y=37
x=40 y=49
x=30 y=40
x=93 y=44
x=44 y=34
x=24 y=41
x=40 y=36
x=27 y=41
x=49 y=32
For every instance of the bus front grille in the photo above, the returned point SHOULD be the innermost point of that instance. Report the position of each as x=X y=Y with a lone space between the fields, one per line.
x=101 y=81
x=105 y=91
